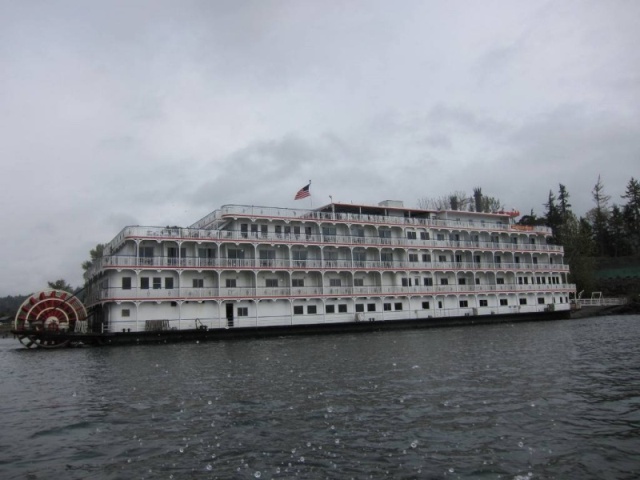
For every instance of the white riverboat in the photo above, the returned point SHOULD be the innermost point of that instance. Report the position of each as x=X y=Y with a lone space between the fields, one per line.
x=254 y=270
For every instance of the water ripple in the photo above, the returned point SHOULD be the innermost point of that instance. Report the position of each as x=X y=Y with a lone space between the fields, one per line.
x=540 y=400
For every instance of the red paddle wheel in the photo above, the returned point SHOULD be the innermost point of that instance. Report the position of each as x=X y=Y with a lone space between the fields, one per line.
x=44 y=317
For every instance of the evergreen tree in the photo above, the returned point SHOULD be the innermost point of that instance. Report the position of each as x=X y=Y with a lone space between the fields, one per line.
x=61 y=285
x=552 y=217
x=599 y=219
x=564 y=207
x=618 y=243
x=477 y=197
x=631 y=214
x=95 y=254
x=578 y=251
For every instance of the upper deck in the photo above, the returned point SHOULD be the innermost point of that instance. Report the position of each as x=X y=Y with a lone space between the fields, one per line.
x=376 y=215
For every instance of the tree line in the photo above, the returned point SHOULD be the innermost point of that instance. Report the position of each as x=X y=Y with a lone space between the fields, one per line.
x=609 y=229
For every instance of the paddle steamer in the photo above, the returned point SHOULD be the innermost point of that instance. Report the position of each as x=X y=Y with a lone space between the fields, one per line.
x=251 y=270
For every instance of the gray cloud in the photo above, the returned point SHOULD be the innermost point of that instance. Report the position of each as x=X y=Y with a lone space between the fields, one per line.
x=157 y=112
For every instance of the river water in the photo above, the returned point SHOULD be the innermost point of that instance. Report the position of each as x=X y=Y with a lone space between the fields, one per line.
x=525 y=401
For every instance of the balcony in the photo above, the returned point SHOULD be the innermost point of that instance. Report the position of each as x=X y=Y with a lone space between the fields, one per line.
x=196 y=263
x=224 y=293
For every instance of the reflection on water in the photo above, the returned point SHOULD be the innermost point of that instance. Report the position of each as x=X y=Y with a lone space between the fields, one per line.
x=536 y=400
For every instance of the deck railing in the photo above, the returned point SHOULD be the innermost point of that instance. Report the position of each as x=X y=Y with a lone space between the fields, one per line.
x=250 y=211
x=220 y=293
x=601 y=302
x=118 y=261
x=199 y=235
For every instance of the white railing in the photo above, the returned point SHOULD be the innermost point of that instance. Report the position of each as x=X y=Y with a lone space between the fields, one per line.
x=183 y=293
x=186 y=234
x=601 y=302
x=237 y=211
x=119 y=261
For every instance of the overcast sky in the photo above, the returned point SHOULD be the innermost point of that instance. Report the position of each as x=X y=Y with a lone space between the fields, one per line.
x=116 y=113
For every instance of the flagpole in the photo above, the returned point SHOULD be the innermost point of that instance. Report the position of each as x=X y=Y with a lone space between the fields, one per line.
x=310 y=196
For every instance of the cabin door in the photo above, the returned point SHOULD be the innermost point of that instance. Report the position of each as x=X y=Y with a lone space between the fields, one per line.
x=229 y=307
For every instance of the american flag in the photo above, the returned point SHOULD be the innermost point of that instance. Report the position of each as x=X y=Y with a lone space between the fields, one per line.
x=303 y=192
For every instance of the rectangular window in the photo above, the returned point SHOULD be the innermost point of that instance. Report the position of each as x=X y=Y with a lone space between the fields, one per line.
x=342 y=308
x=428 y=281
x=523 y=301
x=146 y=255
x=500 y=281
x=358 y=282
x=426 y=258
x=498 y=260
x=144 y=283
x=442 y=258
x=371 y=307
x=397 y=306
x=198 y=283
x=424 y=235
x=440 y=236
x=271 y=282
x=359 y=256
x=464 y=303
x=477 y=281
x=168 y=283
x=299 y=255
x=406 y=282
x=267 y=258
x=462 y=281
x=484 y=303
x=413 y=257
x=386 y=257
x=264 y=230
x=298 y=310
x=126 y=283
x=425 y=305
x=412 y=235
x=386 y=307
x=335 y=282
x=444 y=281
x=297 y=282
x=312 y=309
x=243 y=311
x=359 y=307
x=330 y=309
x=278 y=229
x=230 y=283
x=503 y=302
x=541 y=300
x=235 y=254
x=126 y=313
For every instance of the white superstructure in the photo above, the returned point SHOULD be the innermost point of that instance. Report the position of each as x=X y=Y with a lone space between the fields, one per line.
x=248 y=266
